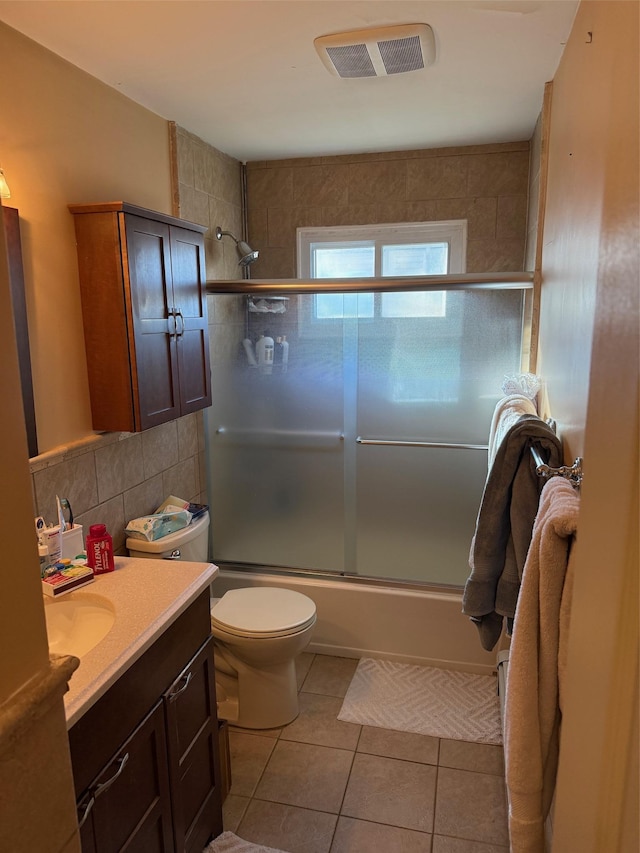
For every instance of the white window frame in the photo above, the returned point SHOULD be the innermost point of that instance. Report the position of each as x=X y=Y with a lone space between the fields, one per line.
x=450 y=231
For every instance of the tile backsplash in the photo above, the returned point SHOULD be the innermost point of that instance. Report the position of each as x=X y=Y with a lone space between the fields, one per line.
x=113 y=477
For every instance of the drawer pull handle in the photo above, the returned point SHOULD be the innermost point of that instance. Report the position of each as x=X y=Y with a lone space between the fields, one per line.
x=175 y=693
x=102 y=787
x=87 y=811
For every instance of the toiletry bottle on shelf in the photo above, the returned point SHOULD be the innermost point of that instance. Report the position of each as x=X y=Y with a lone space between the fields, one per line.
x=277 y=355
x=285 y=353
x=100 y=550
x=264 y=353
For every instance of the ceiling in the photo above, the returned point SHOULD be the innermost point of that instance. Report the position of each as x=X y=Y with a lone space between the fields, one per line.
x=244 y=76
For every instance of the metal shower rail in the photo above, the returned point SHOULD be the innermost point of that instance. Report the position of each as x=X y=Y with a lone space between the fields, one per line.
x=462 y=281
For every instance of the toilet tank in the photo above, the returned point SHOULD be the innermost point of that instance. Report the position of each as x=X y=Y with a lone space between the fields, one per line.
x=190 y=543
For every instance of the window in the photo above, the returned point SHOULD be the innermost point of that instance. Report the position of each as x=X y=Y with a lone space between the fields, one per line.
x=379 y=251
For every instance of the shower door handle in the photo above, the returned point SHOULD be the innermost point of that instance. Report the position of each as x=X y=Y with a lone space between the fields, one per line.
x=388 y=442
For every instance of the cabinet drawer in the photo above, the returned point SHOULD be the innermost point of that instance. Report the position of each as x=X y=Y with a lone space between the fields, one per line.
x=128 y=805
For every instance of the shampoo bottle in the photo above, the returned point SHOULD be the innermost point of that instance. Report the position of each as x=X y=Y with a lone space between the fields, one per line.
x=100 y=550
x=264 y=354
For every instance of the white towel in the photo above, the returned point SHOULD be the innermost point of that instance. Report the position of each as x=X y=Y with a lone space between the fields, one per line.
x=228 y=842
x=505 y=415
x=532 y=713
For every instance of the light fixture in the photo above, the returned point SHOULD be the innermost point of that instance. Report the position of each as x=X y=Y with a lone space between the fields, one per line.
x=5 y=192
x=246 y=254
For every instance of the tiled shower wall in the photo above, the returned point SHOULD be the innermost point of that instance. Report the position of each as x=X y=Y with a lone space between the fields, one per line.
x=485 y=184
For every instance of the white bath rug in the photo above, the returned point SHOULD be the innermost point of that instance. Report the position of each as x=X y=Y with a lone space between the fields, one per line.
x=230 y=843
x=425 y=700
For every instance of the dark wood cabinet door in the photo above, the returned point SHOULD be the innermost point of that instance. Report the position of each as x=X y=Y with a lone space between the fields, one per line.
x=153 y=350
x=142 y=282
x=188 y=274
x=132 y=802
x=192 y=741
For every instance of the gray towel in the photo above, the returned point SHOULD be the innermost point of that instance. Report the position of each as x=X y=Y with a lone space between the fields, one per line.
x=504 y=526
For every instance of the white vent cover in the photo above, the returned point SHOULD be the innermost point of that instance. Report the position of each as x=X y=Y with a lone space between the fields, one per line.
x=379 y=51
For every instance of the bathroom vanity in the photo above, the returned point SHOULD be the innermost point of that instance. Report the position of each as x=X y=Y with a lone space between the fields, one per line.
x=141 y=714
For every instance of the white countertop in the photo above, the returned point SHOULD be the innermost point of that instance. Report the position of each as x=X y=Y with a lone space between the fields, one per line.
x=148 y=595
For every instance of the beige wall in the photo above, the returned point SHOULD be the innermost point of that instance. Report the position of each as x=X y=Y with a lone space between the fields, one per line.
x=485 y=184
x=589 y=357
x=64 y=138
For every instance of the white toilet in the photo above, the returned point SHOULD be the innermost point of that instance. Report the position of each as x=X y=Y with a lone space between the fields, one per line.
x=258 y=632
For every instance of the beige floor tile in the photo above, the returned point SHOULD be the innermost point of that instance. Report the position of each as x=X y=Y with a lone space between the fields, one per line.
x=481 y=757
x=249 y=756
x=471 y=806
x=233 y=809
x=305 y=775
x=329 y=675
x=274 y=733
x=287 y=828
x=361 y=836
x=386 y=790
x=318 y=723
x=441 y=844
x=303 y=664
x=404 y=745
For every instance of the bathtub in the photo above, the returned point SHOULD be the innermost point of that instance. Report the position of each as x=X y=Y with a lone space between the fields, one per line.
x=357 y=619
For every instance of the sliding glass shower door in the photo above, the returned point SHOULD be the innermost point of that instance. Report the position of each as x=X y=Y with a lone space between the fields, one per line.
x=361 y=449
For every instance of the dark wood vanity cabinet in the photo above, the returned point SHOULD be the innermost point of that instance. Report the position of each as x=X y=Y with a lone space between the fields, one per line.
x=144 y=312
x=159 y=790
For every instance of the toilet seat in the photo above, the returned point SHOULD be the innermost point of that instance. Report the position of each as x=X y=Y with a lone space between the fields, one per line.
x=263 y=612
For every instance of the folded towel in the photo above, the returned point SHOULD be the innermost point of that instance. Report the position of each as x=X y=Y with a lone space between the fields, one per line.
x=504 y=525
x=532 y=710
x=505 y=415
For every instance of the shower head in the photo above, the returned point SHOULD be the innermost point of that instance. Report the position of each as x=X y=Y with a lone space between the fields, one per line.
x=246 y=254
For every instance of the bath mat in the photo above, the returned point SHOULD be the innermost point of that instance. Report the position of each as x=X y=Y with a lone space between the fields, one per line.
x=230 y=843
x=425 y=700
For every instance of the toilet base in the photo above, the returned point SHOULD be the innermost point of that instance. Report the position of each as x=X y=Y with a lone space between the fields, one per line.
x=256 y=699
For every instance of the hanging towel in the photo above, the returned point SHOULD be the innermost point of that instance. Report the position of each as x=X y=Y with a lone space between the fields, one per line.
x=505 y=415
x=503 y=528
x=532 y=712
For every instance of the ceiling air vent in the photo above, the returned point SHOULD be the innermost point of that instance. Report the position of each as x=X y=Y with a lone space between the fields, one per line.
x=379 y=51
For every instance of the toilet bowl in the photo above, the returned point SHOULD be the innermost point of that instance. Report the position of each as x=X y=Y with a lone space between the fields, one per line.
x=258 y=632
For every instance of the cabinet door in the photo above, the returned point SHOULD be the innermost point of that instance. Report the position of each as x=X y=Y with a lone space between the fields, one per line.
x=192 y=740
x=153 y=339
x=188 y=274
x=131 y=800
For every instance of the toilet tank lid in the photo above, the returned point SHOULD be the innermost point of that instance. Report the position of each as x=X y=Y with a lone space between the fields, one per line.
x=263 y=609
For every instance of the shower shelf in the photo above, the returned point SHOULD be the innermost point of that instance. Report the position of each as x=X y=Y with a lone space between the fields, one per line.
x=267 y=305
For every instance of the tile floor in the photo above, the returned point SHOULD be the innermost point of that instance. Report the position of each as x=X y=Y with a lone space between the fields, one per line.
x=320 y=785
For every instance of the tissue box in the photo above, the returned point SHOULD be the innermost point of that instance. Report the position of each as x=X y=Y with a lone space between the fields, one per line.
x=72 y=542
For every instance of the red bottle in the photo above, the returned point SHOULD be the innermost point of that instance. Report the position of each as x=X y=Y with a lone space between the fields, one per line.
x=100 y=549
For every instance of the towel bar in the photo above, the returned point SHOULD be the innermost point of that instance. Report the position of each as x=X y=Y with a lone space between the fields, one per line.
x=573 y=473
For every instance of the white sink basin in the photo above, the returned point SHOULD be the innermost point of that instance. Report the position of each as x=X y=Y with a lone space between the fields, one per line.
x=77 y=622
